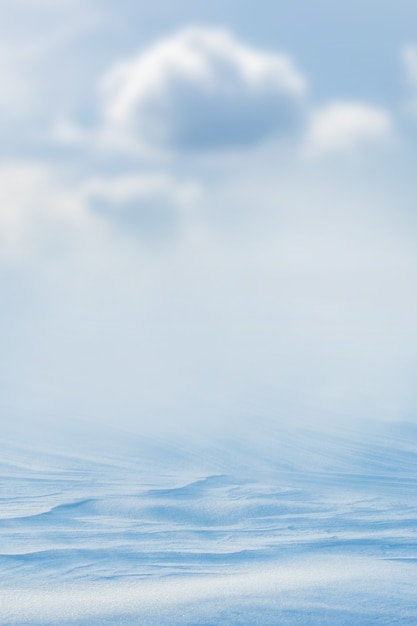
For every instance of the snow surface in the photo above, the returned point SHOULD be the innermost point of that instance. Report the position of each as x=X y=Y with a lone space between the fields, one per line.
x=279 y=527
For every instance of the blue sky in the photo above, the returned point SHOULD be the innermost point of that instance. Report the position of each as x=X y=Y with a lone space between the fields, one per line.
x=207 y=211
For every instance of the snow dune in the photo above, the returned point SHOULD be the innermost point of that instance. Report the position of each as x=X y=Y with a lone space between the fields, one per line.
x=277 y=527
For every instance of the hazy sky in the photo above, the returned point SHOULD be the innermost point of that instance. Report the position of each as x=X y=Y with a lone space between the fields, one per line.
x=207 y=209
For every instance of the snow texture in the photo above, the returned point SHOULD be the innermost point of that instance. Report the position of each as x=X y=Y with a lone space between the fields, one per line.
x=294 y=527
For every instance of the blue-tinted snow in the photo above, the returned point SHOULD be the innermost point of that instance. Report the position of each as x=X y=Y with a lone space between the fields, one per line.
x=294 y=527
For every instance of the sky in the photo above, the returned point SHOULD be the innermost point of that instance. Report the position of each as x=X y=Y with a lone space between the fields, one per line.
x=207 y=211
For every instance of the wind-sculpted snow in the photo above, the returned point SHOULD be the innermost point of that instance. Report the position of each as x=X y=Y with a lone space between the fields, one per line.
x=285 y=528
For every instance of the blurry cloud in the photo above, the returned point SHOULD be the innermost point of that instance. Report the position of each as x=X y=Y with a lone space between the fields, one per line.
x=341 y=126
x=49 y=4
x=150 y=205
x=409 y=59
x=273 y=281
x=16 y=84
x=201 y=89
x=40 y=77
x=45 y=215
x=38 y=212
x=67 y=133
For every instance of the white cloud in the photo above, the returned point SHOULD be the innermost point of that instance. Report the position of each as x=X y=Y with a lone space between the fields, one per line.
x=16 y=83
x=125 y=188
x=151 y=205
x=39 y=78
x=44 y=216
x=342 y=126
x=201 y=88
x=37 y=211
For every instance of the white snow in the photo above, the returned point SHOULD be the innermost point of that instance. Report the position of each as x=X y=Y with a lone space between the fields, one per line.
x=293 y=527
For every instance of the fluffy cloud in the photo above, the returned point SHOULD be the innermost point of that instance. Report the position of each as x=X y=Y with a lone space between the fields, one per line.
x=200 y=89
x=42 y=215
x=341 y=126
